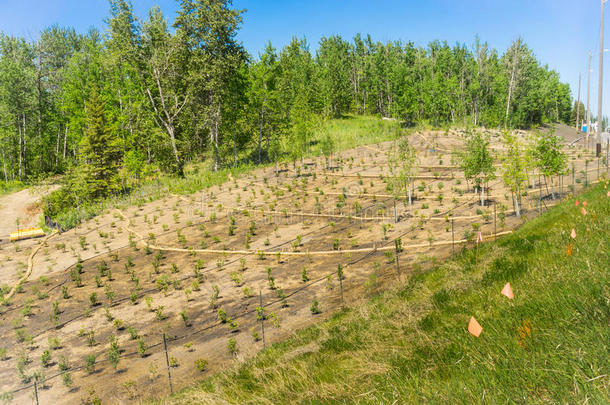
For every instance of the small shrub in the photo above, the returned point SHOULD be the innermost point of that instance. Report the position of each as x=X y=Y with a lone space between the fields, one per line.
x=201 y=364
x=315 y=307
x=232 y=347
x=90 y=363
x=114 y=352
x=67 y=379
x=45 y=359
x=142 y=348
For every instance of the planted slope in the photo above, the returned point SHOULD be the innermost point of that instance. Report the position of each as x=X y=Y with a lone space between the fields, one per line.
x=548 y=344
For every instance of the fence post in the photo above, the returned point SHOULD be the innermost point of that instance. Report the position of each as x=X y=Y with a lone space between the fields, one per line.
x=398 y=247
x=340 y=275
x=539 y=194
x=452 y=240
x=395 y=217
x=169 y=375
x=36 y=391
x=586 y=172
x=495 y=228
x=260 y=295
x=607 y=151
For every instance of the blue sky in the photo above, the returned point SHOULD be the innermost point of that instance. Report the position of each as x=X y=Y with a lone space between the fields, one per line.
x=560 y=32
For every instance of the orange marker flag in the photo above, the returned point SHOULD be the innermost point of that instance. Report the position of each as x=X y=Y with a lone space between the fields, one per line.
x=479 y=237
x=508 y=291
x=569 y=252
x=584 y=211
x=608 y=194
x=474 y=327
x=573 y=234
x=584 y=203
x=576 y=203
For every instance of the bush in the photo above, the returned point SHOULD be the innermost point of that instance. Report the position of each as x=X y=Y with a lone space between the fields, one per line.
x=142 y=348
x=67 y=379
x=315 y=307
x=90 y=363
x=201 y=364
x=45 y=359
x=114 y=352
x=232 y=347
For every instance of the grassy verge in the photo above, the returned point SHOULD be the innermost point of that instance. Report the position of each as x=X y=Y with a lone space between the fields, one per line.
x=410 y=344
x=347 y=132
x=11 y=187
x=355 y=130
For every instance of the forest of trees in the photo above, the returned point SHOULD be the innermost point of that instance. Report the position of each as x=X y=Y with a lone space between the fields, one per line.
x=151 y=95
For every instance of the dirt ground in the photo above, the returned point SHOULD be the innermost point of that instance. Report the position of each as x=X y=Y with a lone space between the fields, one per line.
x=154 y=267
x=21 y=209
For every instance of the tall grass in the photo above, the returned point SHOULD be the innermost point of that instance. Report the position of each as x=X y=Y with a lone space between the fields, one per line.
x=355 y=130
x=11 y=186
x=410 y=344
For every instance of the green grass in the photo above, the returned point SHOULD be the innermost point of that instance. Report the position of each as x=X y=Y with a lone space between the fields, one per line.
x=11 y=187
x=410 y=344
x=355 y=130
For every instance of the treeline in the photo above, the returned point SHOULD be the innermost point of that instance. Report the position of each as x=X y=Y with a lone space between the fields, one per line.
x=114 y=106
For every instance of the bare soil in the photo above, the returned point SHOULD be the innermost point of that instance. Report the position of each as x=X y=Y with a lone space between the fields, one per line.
x=317 y=219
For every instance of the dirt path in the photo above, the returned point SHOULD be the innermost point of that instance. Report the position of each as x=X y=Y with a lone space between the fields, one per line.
x=21 y=206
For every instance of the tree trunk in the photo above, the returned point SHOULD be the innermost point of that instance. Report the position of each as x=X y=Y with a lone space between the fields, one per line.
x=65 y=141
x=260 y=133
x=516 y=203
x=57 y=144
x=180 y=166
x=39 y=118
x=235 y=146
x=4 y=166
x=20 y=152
x=482 y=195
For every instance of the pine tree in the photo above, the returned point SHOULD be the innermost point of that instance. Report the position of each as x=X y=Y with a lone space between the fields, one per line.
x=100 y=148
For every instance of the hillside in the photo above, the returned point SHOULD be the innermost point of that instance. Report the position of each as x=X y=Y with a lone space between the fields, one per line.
x=410 y=344
x=173 y=275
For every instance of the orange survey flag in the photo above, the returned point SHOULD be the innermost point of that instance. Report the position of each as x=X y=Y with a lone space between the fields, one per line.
x=576 y=203
x=508 y=291
x=584 y=203
x=569 y=250
x=573 y=234
x=474 y=327
x=584 y=211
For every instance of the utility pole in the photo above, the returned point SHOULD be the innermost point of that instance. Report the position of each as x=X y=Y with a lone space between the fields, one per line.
x=578 y=108
x=588 y=93
x=601 y=74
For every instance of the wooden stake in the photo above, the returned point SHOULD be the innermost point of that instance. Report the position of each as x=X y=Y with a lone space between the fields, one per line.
x=169 y=375
x=340 y=275
x=452 y=240
x=398 y=247
x=495 y=228
x=260 y=294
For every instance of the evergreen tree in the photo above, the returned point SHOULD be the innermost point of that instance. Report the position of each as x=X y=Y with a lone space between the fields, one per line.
x=100 y=148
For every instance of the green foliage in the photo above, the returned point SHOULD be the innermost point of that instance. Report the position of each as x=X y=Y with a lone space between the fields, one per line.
x=114 y=352
x=476 y=160
x=201 y=364
x=119 y=113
